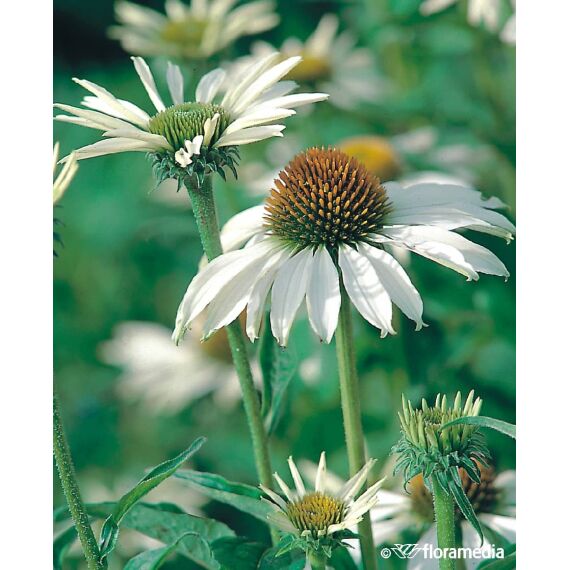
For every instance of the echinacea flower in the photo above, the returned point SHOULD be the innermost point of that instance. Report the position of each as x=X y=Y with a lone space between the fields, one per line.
x=318 y=515
x=493 y=500
x=332 y=63
x=165 y=379
x=197 y=136
x=193 y=30
x=65 y=176
x=323 y=227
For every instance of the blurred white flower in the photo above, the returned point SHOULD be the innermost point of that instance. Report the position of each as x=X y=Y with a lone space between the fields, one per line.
x=164 y=378
x=509 y=32
x=327 y=218
x=197 y=29
x=321 y=512
x=479 y=12
x=331 y=62
x=255 y=99
x=65 y=176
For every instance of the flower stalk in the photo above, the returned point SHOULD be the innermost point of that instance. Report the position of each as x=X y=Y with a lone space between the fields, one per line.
x=350 y=401
x=444 y=508
x=317 y=560
x=204 y=207
x=71 y=491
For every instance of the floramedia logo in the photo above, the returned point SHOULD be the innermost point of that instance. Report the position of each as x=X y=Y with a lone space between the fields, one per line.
x=431 y=552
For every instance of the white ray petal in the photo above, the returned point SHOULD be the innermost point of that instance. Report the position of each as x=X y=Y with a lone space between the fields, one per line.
x=99 y=120
x=249 y=135
x=208 y=283
x=295 y=100
x=107 y=103
x=274 y=497
x=396 y=282
x=110 y=146
x=241 y=227
x=175 y=82
x=365 y=289
x=354 y=484
x=449 y=249
x=258 y=117
x=321 y=477
x=209 y=85
x=299 y=485
x=319 y=43
x=210 y=128
x=156 y=141
x=284 y=488
x=147 y=80
x=323 y=295
x=288 y=291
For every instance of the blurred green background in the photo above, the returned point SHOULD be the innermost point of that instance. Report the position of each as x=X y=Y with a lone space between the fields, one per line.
x=129 y=253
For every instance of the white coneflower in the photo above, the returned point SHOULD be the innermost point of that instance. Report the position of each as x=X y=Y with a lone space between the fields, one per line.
x=166 y=379
x=192 y=30
x=332 y=63
x=328 y=219
x=319 y=514
x=198 y=136
x=67 y=172
x=479 y=12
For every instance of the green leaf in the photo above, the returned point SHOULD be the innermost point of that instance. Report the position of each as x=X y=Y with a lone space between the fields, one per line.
x=238 y=495
x=238 y=552
x=153 y=559
x=342 y=560
x=456 y=488
x=507 y=563
x=277 y=368
x=110 y=530
x=293 y=560
x=482 y=421
x=61 y=545
x=167 y=523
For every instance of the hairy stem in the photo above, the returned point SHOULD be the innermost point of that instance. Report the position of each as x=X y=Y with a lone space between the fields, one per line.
x=68 y=480
x=317 y=561
x=204 y=207
x=350 y=399
x=444 y=509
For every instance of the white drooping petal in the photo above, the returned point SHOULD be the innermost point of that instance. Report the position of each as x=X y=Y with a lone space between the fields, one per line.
x=210 y=128
x=258 y=297
x=274 y=497
x=106 y=102
x=396 y=282
x=249 y=135
x=505 y=526
x=323 y=295
x=94 y=119
x=284 y=488
x=208 y=283
x=288 y=291
x=111 y=146
x=449 y=249
x=299 y=485
x=241 y=227
x=209 y=85
x=421 y=562
x=194 y=146
x=156 y=141
x=258 y=116
x=365 y=290
x=175 y=82
x=232 y=298
x=295 y=100
x=147 y=80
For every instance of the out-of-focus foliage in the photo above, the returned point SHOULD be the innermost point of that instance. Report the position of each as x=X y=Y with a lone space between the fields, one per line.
x=129 y=253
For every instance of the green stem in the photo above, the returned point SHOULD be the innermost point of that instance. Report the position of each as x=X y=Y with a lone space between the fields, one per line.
x=318 y=561
x=352 y=417
x=204 y=207
x=68 y=480
x=444 y=508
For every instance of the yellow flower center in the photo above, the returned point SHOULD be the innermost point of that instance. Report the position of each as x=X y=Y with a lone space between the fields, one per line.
x=376 y=153
x=315 y=512
x=187 y=34
x=310 y=69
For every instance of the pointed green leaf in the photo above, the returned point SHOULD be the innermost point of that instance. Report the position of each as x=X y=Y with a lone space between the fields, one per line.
x=238 y=495
x=509 y=562
x=482 y=421
x=110 y=530
x=293 y=560
x=464 y=505
x=153 y=559
x=342 y=560
x=61 y=545
x=238 y=552
x=277 y=368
